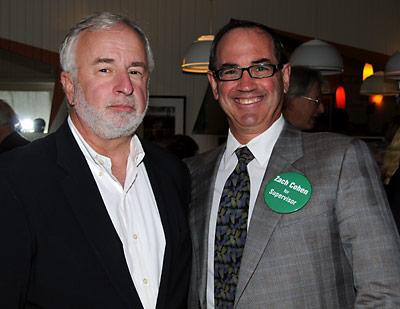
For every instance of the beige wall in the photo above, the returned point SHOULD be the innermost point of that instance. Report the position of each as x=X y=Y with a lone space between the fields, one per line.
x=173 y=24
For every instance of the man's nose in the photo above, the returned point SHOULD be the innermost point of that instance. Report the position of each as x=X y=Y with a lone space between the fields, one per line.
x=124 y=84
x=246 y=83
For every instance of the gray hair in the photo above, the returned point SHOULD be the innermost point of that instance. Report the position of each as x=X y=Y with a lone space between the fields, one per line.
x=99 y=21
x=302 y=79
x=7 y=114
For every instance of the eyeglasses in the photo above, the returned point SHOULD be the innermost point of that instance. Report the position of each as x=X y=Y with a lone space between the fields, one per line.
x=317 y=102
x=261 y=70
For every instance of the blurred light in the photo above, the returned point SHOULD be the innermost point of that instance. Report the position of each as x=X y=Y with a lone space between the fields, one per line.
x=27 y=125
x=340 y=98
x=367 y=71
x=376 y=99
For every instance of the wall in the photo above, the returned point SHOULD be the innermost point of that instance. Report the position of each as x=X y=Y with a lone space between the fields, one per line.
x=173 y=24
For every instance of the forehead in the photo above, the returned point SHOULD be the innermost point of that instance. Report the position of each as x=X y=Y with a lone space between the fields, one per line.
x=314 y=88
x=117 y=41
x=245 y=44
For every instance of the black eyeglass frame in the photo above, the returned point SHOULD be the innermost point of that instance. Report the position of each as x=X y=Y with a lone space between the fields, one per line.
x=275 y=68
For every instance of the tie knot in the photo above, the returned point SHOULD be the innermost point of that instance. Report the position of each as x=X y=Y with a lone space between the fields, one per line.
x=244 y=155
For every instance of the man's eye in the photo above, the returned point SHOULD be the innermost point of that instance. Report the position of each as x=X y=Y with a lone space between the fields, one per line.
x=232 y=71
x=136 y=72
x=262 y=68
x=104 y=70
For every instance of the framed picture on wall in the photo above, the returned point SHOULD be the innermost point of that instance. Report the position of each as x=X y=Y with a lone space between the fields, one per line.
x=165 y=117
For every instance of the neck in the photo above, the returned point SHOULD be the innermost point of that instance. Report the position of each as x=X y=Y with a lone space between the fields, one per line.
x=117 y=149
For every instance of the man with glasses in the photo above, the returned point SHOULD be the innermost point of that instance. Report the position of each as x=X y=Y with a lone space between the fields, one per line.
x=281 y=218
x=303 y=103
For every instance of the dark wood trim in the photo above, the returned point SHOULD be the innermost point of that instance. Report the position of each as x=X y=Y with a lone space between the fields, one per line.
x=44 y=56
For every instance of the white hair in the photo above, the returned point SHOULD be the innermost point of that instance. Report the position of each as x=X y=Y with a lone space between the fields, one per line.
x=99 y=21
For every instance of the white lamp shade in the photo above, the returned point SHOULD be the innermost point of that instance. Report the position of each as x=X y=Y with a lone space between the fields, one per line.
x=377 y=84
x=318 y=55
x=197 y=56
x=392 y=68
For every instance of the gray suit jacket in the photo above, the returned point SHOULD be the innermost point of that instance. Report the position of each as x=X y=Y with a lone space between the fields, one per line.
x=340 y=251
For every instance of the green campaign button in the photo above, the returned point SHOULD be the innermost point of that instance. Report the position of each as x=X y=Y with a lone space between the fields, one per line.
x=287 y=192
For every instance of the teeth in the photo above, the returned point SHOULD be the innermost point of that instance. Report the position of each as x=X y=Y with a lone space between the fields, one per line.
x=246 y=101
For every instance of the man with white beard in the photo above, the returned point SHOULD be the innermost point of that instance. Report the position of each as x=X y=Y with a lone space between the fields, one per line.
x=105 y=225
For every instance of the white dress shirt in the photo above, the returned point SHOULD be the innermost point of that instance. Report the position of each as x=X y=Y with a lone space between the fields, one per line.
x=261 y=147
x=134 y=214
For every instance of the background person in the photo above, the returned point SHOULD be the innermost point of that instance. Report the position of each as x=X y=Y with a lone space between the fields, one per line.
x=9 y=137
x=303 y=103
x=105 y=227
x=337 y=248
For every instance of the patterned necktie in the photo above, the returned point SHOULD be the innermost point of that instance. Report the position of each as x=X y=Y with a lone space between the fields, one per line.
x=231 y=231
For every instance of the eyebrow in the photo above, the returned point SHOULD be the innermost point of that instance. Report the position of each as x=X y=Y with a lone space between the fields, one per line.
x=110 y=60
x=233 y=65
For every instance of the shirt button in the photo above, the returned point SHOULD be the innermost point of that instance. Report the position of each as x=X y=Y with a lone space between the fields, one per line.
x=135 y=237
x=145 y=281
x=100 y=173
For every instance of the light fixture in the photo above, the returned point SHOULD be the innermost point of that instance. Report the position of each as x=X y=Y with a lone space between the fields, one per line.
x=27 y=125
x=377 y=84
x=377 y=100
x=368 y=70
x=318 y=55
x=340 y=98
x=196 y=57
x=392 y=68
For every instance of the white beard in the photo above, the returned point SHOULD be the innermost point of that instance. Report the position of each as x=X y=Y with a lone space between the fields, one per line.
x=107 y=124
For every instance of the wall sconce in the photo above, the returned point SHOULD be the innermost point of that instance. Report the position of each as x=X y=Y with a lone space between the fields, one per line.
x=340 y=97
x=319 y=55
x=368 y=70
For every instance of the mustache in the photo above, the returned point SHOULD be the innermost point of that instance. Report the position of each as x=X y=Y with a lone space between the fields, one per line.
x=127 y=101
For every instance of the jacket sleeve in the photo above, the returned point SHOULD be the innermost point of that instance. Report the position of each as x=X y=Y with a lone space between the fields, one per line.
x=15 y=243
x=367 y=230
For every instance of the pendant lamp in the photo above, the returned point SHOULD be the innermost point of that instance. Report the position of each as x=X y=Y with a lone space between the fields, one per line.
x=392 y=68
x=378 y=84
x=196 y=57
x=318 y=55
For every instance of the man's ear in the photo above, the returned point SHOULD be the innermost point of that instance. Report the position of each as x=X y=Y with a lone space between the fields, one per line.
x=213 y=84
x=286 y=77
x=68 y=86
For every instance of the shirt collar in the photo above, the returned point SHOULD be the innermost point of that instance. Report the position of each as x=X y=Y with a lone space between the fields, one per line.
x=259 y=146
x=135 y=157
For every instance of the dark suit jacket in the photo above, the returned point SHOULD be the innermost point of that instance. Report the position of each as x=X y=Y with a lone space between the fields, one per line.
x=393 y=194
x=340 y=251
x=59 y=246
x=12 y=141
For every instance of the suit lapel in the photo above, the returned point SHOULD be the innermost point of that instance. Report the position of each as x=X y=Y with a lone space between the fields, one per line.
x=156 y=177
x=85 y=200
x=287 y=150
